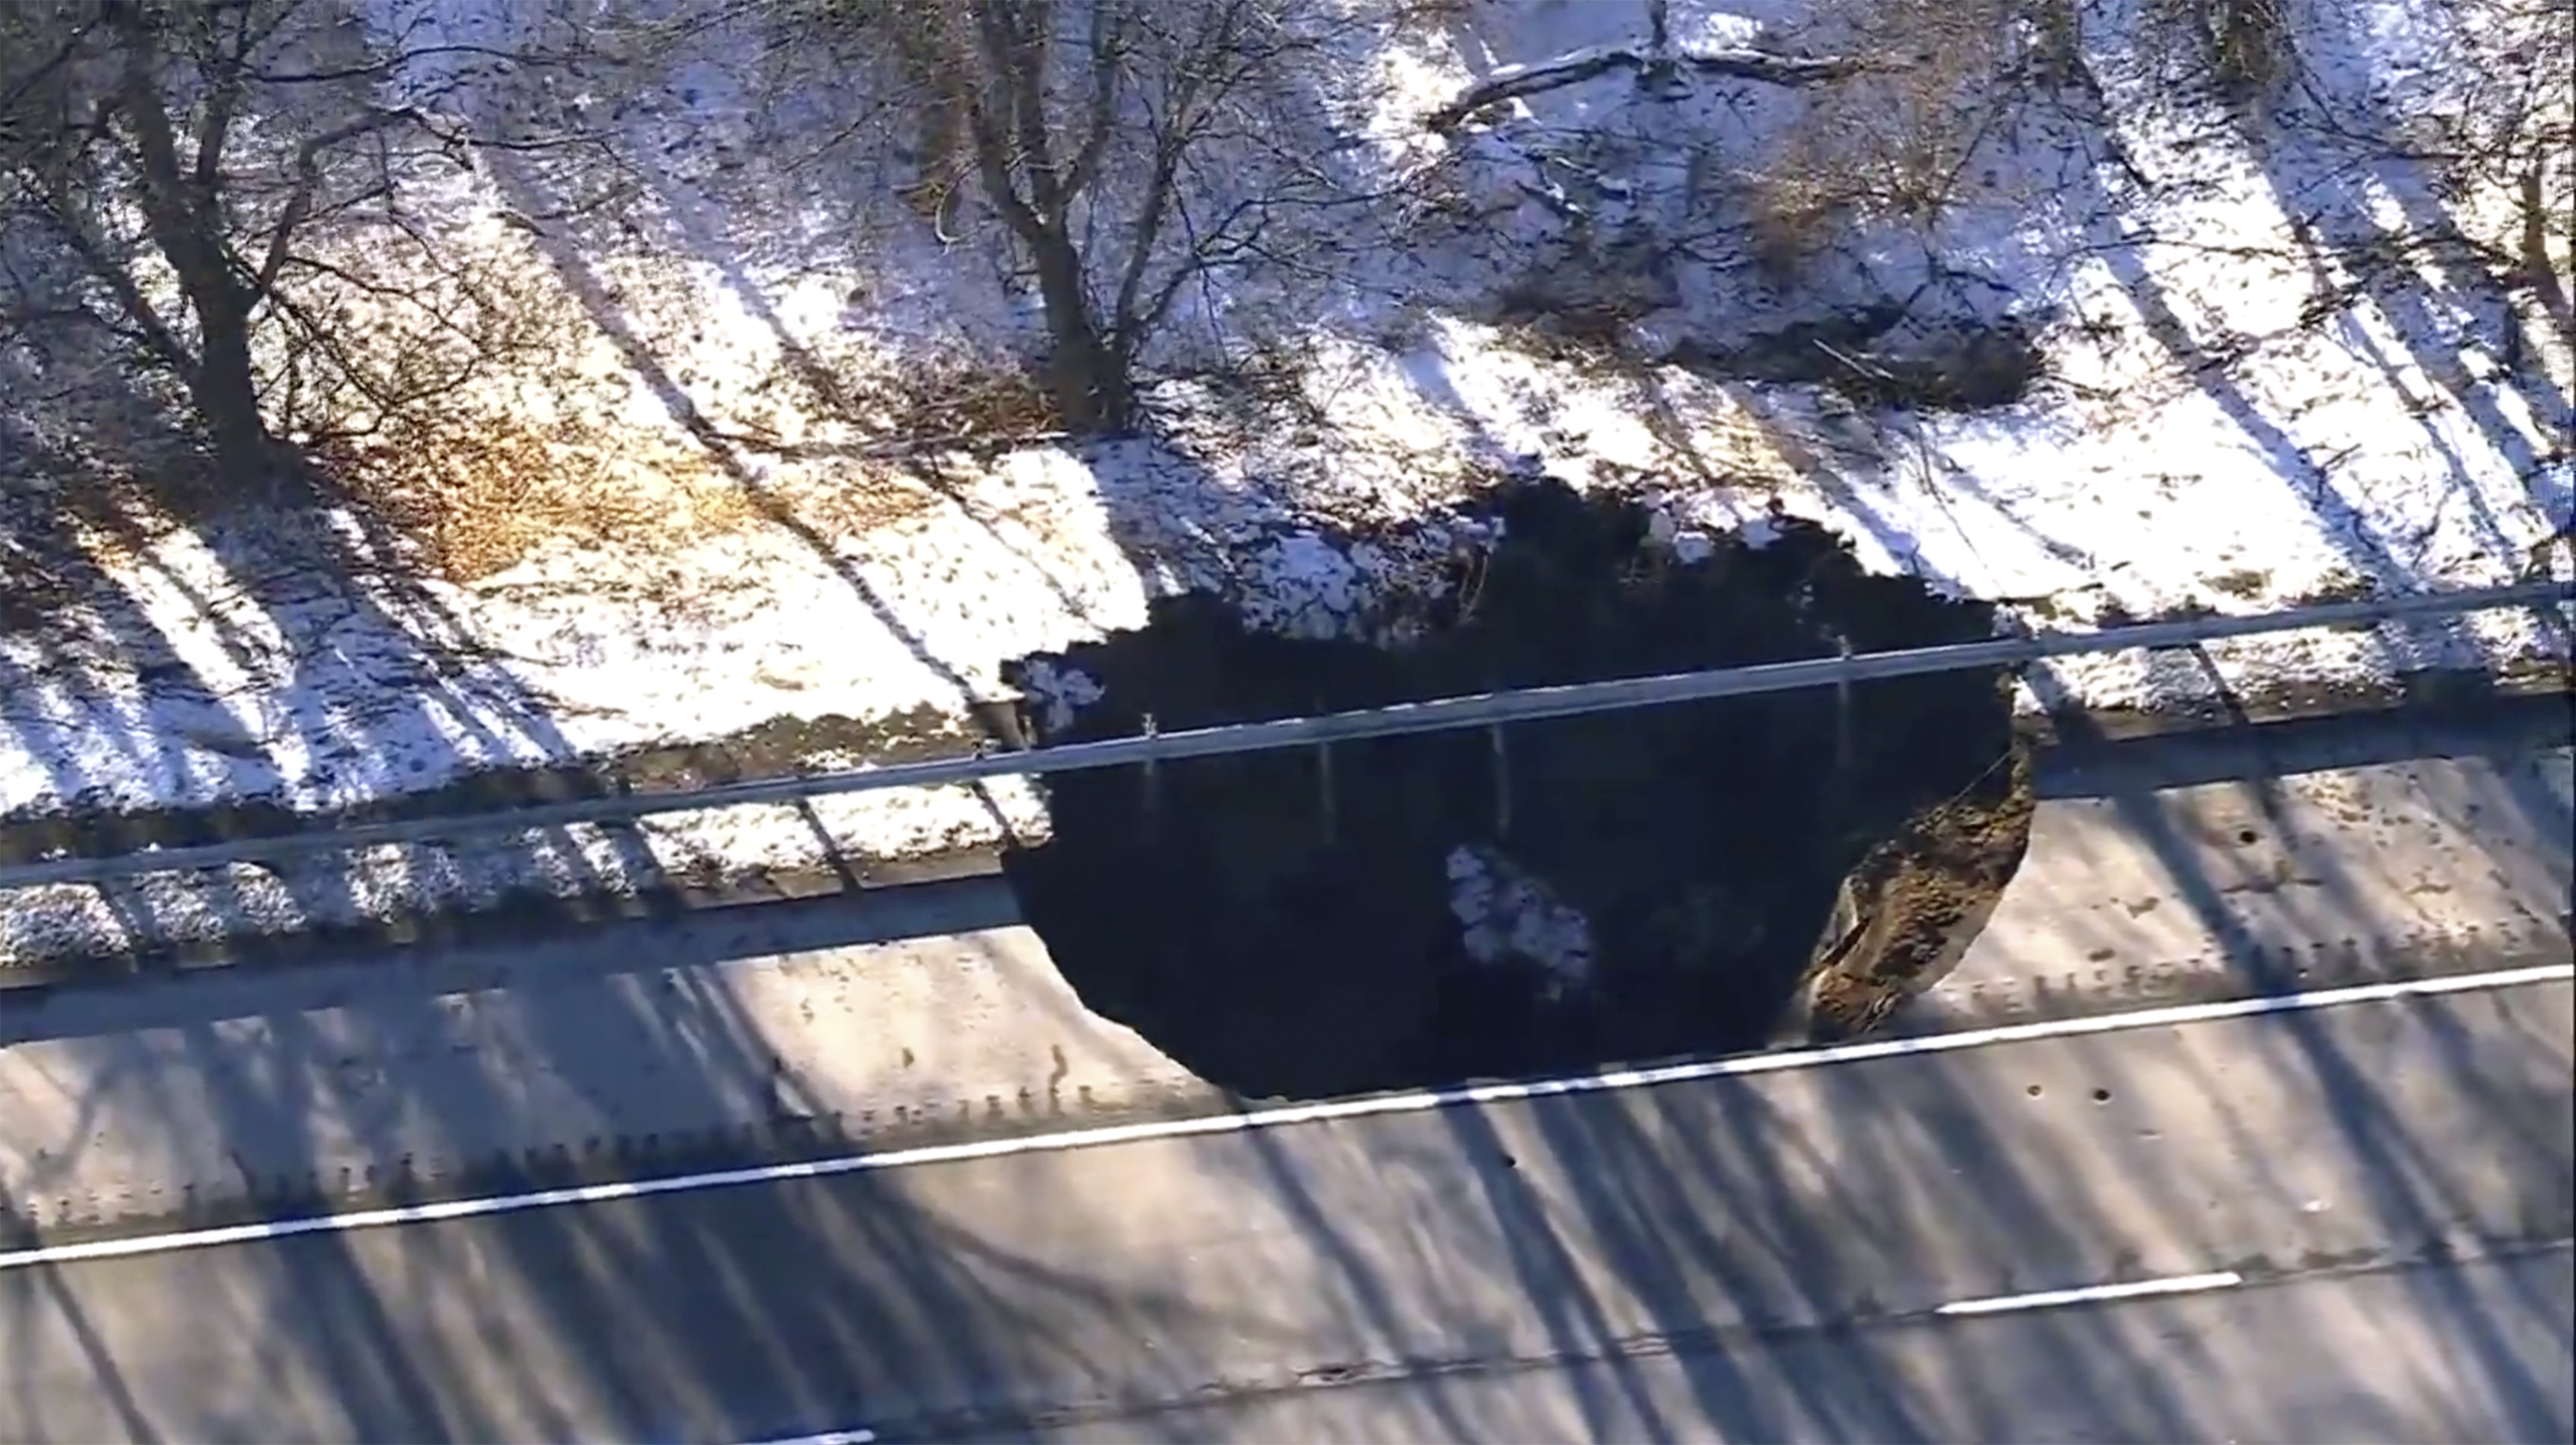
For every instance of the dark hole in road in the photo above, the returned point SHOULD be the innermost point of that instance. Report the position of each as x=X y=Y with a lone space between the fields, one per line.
x=1280 y=947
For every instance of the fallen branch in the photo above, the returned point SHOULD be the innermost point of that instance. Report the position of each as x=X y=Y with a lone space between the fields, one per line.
x=889 y=449
x=1733 y=62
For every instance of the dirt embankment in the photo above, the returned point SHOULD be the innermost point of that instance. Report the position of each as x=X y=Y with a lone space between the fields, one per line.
x=1284 y=924
x=1907 y=913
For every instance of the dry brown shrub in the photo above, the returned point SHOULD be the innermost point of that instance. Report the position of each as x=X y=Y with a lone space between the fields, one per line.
x=2245 y=50
x=473 y=498
x=1893 y=142
x=963 y=400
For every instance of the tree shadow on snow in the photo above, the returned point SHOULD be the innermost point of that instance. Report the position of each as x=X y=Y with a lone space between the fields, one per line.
x=2339 y=188
x=256 y=667
x=2328 y=189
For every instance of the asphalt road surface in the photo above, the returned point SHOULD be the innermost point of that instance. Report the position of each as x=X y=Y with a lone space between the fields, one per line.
x=2436 y=1354
x=2370 y=1203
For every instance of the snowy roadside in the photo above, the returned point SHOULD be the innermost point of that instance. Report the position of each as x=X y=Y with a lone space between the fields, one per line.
x=196 y=697
x=2226 y=417
x=734 y=675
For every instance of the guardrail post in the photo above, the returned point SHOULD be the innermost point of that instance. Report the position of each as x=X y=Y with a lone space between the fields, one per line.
x=1843 y=709
x=1151 y=784
x=1502 y=780
x=1324 y=781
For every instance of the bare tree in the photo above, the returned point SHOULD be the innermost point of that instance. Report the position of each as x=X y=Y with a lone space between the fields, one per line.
x=184 y=154
x=1892 y=140
x=1131 y=149
x=2507 y=127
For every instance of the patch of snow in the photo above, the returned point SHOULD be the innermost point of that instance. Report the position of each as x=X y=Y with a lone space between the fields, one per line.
x=1062 y=691
x=1512 y=918
x=187 y=687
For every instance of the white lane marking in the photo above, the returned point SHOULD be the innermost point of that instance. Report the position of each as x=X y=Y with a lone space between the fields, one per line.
x=2004 y=1304
x=1990 y=1305
x=1742 y=1066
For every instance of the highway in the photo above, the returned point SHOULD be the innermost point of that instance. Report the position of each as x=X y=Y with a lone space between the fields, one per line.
x=2369 y=1203
x=2261 y=1364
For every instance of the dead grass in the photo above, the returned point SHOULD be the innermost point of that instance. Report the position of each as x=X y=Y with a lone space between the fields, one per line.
x=466 y=497
x=2243 y=583
x=1587 y=332
x=859 y=498
x=474 y=499
x=956 y=398
x=1796 y=217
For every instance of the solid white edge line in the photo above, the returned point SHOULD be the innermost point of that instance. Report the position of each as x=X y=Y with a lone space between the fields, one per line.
x=1331 y=1111
x=2093 y=1294
x=829 y=1437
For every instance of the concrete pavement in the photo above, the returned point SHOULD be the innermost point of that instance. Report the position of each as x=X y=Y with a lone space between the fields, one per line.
x=1429 y=1248
x=2279 y=858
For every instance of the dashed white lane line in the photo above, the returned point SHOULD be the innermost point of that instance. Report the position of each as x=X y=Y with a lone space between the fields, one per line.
x=1382 y=1105
x=2004 y=1304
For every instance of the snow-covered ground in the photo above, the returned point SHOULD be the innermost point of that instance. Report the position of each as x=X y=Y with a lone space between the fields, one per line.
x=679 y=539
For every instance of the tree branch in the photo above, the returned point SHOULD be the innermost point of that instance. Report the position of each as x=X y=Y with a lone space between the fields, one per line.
x=168 y=200
x=1106 y=69
x=1019 y=41
x=393 y=64
x=1218 y=247
x=308 y=180
x=62 y=211
x=223 y=100
x=1177 y=131
x=29 y=80
x=1732 y=62
x=993 y=162
x=1180 y=123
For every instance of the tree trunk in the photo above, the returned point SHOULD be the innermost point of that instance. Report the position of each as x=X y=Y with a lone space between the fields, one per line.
x=226 y=392
x=1084 y=370
x=2537 y=272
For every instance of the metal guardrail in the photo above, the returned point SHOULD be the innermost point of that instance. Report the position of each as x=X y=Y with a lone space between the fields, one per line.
x=1439 y=715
